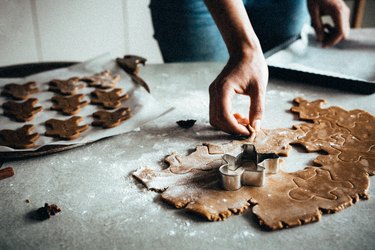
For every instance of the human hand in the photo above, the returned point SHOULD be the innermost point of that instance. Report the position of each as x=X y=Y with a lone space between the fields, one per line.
x=246 y=75
x=340 y=14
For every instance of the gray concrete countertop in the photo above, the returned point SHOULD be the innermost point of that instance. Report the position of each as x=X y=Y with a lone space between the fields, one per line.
x=103 y=207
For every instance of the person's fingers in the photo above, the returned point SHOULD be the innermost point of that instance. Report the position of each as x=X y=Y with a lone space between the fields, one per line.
x=331 y=36
x=246 y=77
x=316 y=20
x=256 y=108
x=212 y=108
x=226 y=120
x=340 y=18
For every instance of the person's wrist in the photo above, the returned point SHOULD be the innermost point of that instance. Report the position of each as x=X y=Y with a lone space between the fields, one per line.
x=246 y=50
x=246 y=54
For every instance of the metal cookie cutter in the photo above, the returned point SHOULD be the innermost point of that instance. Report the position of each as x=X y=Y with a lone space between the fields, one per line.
x=248 y=168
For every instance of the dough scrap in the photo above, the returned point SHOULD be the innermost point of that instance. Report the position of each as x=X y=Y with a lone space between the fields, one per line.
x=339 y=179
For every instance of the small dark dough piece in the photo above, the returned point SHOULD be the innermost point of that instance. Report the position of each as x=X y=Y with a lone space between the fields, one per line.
x=44 y=213
x=186 y=123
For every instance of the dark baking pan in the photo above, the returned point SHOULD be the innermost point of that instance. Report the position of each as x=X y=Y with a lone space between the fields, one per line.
x=356 y=86
x=22 y=70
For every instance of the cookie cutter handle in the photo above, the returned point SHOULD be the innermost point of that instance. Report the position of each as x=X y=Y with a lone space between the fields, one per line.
x=231 y=162
x=249 y=153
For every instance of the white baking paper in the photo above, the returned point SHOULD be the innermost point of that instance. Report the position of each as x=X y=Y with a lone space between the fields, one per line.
x=353 y=58
x=143 y=106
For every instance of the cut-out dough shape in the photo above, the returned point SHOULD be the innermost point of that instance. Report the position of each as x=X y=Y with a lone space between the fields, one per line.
x=21 y=111
x=20 y=138
x=68 y=129
x=339 y=179
x=108 y=99
x=20 y=91
x=68 y=105
x=107 y=119
x=66 y=87
x=104 y=80
x=319 y=184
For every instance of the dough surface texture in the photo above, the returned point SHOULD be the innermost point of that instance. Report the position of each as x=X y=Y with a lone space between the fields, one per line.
x=339 y=177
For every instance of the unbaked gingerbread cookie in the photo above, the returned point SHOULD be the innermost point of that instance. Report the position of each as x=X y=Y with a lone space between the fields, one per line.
x=66 y=87
x=20 y=91
x=65 y=129
x=108 y=99
x=68 y=105
x=21 y=138
x=21 y=111
x=103 y=80
x=107 y=119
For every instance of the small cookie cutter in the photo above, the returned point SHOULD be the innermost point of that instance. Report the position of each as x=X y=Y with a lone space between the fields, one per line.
x=248 y=168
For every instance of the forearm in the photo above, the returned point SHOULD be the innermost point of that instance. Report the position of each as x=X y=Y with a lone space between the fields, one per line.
x=234 y=25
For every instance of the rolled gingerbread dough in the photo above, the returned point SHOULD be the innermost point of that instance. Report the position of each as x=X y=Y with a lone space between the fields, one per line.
x=339 y=179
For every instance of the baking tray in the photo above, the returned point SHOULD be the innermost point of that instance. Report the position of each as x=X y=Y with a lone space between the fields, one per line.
x=356 y=86
x=23 y=70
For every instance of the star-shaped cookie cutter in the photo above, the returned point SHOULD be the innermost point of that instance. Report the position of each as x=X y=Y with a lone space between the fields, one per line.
x=249 y=168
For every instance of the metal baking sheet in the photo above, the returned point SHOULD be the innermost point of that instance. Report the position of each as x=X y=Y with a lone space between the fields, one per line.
x=349 y=65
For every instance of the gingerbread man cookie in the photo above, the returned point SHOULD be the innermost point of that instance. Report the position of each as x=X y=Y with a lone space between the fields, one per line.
x=20 y=91
x=68 y=105
x=21 y=111
x=104 y=80
x=65 y=129
x=20 y=138
x=66 y=87
x=107 y=119
x=110 y=100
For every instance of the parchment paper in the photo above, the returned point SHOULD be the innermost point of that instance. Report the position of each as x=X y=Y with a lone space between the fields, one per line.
x=353 y=58
x=144 y=107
